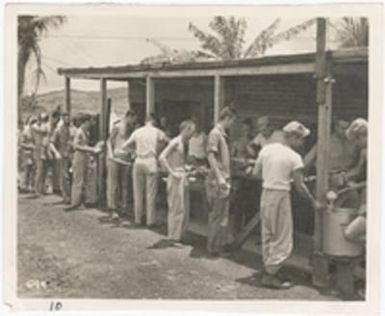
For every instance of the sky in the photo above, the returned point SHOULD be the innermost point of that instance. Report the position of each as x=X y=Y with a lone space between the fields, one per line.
x=97 y=41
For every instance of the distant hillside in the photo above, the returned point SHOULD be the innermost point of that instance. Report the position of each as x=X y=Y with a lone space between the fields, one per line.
x=84 y=101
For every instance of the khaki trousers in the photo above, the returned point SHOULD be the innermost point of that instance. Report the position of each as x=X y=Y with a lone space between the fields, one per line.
x=118 y=185
x=64 y=179
x=178 y=207
x=145 y=184
x=218 y=217
x=276 y=228
x=79 y=175
x=41 y=171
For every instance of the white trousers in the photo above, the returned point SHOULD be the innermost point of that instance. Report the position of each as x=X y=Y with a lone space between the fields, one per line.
x=145 y=184
x=276 y=228
x=178 y=207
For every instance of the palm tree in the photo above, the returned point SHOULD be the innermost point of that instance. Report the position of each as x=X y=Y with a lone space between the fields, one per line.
x=30 y=31
x=353 y=32
x=229 y=40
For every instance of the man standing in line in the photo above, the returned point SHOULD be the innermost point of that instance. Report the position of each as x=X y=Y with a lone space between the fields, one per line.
x=218 y=182
x=54 y=162
x=266 y=135
x=40 y=132
x=358 y=132
x=80 y=161
x=173 y=158
x=277 y=164
x=27 y=148
x=61 y=146
x=119 y=165
x=146 y=140
x=343 y=155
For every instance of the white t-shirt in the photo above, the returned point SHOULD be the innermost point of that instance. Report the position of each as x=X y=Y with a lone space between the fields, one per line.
x=277 y=162
x=146 y=140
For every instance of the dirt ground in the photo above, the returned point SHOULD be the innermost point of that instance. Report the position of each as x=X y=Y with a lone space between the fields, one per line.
x=82 y=254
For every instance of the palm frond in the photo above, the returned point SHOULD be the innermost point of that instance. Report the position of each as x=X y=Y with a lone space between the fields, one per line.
x=209 y=42
x=353 y=32
x=163 y=47
x=262 y=40
x=291 y=32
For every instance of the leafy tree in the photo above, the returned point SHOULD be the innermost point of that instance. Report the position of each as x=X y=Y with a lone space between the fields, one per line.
x=30 y=31
x=353 y=32
x=227 y=41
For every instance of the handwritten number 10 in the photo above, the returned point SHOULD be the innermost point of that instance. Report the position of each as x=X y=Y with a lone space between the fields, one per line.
x=55 y=306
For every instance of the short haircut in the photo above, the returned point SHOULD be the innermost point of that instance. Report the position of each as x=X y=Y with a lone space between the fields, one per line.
x=55 y=114
x=248 y=122
x=84 y=117
x=130 y=113
x=226 y=112
x=185 y=124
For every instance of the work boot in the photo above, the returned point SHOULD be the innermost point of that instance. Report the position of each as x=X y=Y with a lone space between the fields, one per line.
x=273 y=282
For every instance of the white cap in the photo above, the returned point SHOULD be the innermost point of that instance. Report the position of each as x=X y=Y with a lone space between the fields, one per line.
x=297 y=128
x=357 y=127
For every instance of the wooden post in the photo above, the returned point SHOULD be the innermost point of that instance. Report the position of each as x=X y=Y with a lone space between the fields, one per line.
x=128 y=95
x=108 y=117
x=324 y=101
x=102 y=137
x=68 y=94
x=150 y=96
x=219 y=96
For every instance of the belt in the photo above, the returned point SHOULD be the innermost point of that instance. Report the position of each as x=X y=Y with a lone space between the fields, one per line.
x=146 y=156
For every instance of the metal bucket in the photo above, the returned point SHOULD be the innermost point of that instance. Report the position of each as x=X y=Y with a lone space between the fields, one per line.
x=334 y=242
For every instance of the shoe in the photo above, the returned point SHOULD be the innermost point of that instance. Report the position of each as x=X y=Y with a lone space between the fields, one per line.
x=71 y=208
x=115 y=216
x=273 y=282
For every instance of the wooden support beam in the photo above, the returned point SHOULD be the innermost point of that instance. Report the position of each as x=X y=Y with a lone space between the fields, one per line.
x=102 y=137
x=219 y=96
x=324 y=102
x=128 y=95
x=68 y=94
x=246 y=231
x=150 y=95
x=103 y=107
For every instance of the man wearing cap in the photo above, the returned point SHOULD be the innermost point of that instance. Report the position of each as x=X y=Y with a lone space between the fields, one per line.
x=358 y=132
x=218 y=184
x=278 y=164
x=119 y=164
x=266 y=135
x=147 y=140
x=61 y=146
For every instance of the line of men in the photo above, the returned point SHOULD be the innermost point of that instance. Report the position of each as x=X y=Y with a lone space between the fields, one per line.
x=138 y=153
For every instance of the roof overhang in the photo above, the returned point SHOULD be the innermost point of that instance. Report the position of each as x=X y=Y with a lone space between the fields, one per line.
x=269 y=65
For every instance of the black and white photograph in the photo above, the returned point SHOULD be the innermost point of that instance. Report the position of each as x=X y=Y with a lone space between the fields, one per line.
x=221 y=155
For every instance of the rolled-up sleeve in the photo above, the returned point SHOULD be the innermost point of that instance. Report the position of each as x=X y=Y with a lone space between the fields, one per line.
x=213 y=143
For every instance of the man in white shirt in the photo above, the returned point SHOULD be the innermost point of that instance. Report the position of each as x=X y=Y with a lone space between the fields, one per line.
x=266 y=135
x=278 y=164
x=145 y=170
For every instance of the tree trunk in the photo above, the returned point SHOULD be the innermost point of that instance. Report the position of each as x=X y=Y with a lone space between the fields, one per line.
x=21 y=65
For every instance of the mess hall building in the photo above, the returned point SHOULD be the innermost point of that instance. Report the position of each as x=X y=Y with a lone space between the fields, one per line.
x=310 y=87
